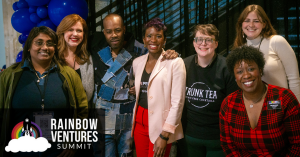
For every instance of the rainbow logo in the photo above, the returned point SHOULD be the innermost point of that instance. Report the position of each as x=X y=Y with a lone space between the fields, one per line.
x=17 y=131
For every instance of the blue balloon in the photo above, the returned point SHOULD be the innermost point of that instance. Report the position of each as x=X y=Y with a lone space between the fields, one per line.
x=4 y=66
x=37 y=2
x=15 y=6
x=19 y=57
x=20 y=39
x=42 y=12
x=22 y=4
x=24 y=37
x=21 y=22
x=58 y=9
x=23 y=45
x=35 y=18
x=32 y=9
x=47 y=22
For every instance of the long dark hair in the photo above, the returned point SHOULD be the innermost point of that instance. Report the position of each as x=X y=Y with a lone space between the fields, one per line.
x=34 y=33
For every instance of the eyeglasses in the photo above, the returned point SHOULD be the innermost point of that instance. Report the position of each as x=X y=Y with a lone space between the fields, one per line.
x=41 y=44
x=199 y=40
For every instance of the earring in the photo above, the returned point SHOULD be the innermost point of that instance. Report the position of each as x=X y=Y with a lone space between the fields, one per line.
x=144 y=45
x=243 y=35
x=164 y=45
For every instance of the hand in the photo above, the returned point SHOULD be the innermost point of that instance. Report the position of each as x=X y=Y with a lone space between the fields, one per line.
x=159 y=147
x=132 y=91
x=169 y=54
x=67 y=153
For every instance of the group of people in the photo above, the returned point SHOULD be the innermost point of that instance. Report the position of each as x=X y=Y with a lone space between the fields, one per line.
x=243 y=105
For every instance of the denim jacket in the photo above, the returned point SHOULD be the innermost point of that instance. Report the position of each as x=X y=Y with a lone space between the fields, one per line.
x=111 y=81
x=133 y=47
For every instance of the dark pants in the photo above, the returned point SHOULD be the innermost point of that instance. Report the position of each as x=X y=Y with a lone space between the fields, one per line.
x=191 y=147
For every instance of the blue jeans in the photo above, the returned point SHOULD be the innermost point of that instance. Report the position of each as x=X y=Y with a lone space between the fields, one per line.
x=114 y=131
x=116 y=116
x=119 y=144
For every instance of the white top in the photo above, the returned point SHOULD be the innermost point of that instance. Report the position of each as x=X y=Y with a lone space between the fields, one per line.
x=281 y=68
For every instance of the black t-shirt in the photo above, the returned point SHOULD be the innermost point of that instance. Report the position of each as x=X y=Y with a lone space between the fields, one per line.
x=143 y=101
x=205 y=90
x=78 y=72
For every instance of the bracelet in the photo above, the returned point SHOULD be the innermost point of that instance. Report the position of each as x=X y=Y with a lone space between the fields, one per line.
x=163 y=137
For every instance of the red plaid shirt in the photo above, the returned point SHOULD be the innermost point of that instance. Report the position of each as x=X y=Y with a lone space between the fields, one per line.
x=276 y=134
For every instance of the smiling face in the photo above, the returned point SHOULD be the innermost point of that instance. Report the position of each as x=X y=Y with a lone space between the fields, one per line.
x=154 y=40
x=248 y=76
x=74 y=35
x=205 y=49
x=252 y=25
x=114 y=31
x=39 y=51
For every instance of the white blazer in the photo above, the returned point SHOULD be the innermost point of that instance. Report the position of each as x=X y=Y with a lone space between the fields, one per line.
x=166 y=95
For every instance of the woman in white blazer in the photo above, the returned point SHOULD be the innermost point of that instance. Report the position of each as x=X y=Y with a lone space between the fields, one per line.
x=160 y=90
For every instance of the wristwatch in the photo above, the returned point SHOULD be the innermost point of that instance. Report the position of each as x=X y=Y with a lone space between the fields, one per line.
x=163 y=137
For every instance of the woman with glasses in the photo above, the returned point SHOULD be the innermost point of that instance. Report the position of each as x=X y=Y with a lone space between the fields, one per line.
x=208 y=82
x=39 y=85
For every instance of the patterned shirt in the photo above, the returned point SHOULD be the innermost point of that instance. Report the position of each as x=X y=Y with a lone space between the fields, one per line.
x=277 y=132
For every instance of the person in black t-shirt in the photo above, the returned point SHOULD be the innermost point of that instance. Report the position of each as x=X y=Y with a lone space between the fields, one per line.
x=208 y=82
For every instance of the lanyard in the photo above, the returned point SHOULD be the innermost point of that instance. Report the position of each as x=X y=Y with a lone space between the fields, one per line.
x=260 y=43
x=42 y=92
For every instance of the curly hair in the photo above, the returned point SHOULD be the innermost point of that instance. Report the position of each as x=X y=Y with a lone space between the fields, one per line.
x=246 y=54
x=157 y=24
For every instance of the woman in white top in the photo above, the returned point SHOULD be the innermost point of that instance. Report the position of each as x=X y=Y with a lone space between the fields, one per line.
x=254 y=28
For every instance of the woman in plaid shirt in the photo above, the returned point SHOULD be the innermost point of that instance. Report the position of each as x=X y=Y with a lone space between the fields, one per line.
x=259 y=119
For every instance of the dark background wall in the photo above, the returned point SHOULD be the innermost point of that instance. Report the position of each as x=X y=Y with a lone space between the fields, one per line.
x=181 y=16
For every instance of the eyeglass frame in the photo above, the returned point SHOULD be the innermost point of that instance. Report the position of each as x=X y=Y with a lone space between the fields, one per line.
x=35 y=43
x=213 y=39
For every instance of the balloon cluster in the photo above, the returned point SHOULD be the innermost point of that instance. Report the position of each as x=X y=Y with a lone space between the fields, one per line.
x=4 y=67
x=35 y=13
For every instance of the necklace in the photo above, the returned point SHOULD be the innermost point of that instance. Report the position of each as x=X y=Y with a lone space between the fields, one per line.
x=260 y=43
x=39 y=77
x=251 y=105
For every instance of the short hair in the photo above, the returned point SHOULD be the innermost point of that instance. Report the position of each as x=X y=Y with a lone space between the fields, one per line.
x=246 y=54
x=35 y=31
x=266 y=32
x=82 y=55
x=157 y=24
x=112 y=15
x=208 y=29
